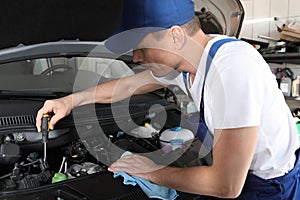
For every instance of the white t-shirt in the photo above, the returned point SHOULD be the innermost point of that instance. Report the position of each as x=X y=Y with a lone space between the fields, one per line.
x=241 y=91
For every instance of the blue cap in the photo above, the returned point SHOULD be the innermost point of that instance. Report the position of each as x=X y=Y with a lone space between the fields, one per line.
x=141 y=17
x=176 y=129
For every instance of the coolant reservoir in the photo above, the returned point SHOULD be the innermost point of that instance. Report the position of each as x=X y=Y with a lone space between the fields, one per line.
x=174 y=138
x=146 y=131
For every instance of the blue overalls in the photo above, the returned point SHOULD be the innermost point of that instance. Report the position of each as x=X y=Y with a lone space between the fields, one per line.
x=286 y=187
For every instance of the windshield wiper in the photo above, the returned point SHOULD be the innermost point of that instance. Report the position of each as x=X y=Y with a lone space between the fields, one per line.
x=31 y=94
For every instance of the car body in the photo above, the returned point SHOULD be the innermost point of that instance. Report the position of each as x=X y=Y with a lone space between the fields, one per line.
x=50 y=49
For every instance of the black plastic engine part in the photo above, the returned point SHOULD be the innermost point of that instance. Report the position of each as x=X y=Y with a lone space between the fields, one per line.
x=9 y=153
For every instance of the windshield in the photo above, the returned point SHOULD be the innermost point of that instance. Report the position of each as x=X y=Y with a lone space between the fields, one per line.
x=59 y=75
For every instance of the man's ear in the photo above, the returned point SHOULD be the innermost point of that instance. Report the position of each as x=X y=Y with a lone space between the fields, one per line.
x=178 y=36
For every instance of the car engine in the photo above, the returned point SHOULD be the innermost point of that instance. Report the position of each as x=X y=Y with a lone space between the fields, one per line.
x=86 y=142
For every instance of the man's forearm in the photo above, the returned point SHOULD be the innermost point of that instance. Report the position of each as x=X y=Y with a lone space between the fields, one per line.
x=233 y=153
x=99 y=94
x=116 y=90
x=197 y=180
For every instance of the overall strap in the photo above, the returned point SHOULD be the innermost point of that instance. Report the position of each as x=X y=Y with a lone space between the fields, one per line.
x=202 y=131
x=211 y=54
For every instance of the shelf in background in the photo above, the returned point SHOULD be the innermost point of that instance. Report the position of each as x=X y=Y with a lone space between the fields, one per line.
x=292 y=98
x=293 y=102
x=293 y=58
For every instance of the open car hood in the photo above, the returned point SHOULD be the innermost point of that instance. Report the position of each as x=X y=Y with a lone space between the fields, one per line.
x=34 y=21
x=220 y=17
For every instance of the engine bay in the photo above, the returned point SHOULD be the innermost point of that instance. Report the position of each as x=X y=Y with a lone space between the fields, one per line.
x=85 y=143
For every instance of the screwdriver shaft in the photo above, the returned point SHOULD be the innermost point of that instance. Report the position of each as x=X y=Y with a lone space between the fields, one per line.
x=45 y=151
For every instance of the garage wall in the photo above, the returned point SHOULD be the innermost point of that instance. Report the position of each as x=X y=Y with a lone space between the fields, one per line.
x=259 y=15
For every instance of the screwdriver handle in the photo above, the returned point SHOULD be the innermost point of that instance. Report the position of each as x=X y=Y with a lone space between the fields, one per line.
x=45 y=127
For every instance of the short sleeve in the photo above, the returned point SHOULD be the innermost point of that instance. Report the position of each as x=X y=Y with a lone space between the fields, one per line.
x=236 y=92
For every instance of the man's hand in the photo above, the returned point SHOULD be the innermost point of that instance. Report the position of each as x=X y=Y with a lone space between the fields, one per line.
x=59 y=107
x=135 y=165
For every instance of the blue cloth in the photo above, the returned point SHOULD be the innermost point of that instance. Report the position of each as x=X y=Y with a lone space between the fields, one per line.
x=151 y=190
x=141 y=17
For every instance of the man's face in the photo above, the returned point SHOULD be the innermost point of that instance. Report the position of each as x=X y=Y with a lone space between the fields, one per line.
x=158 y=56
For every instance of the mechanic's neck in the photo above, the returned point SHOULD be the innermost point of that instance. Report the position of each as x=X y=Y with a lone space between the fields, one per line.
x=193 y=52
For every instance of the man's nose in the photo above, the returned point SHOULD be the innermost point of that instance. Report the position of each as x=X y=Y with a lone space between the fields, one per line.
x=137 y=56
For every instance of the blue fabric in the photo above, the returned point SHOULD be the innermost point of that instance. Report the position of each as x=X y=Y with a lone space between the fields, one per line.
x=141 y=17
x=151 y=190
x=286 y=187
x=155 y=13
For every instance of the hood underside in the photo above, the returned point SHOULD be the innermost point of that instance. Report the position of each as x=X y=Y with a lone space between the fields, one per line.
x=220 y=16
x=35 y=21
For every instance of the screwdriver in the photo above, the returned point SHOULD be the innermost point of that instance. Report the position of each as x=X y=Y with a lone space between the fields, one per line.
x=45 y=133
